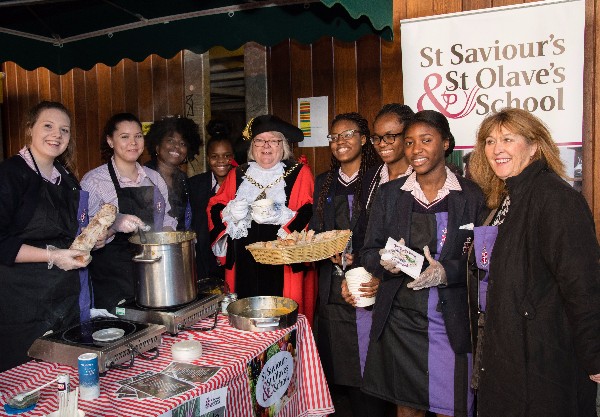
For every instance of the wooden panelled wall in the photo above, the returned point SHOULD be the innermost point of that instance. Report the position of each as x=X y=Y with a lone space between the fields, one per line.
x=150 y=89
x=363 y=75
x=358 y=76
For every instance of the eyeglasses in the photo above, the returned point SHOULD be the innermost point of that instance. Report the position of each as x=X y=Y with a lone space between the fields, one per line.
x=272 y=143
x=388 y=138
x=346 y=135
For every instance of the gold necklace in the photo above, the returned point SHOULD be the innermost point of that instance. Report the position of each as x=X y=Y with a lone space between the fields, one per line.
x=263 y=188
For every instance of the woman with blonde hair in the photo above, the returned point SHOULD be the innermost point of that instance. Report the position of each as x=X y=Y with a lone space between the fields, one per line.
x=539 y=277
x=44 y=284
x=286 y=186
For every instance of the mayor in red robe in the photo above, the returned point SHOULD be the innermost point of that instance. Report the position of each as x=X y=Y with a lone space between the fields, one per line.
x=284 y=187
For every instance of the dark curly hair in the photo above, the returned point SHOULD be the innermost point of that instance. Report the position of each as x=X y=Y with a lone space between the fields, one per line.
x=403 y=112
x=218 y=128
x=187 y=128
x=219 y=131
x=109 y=128
x=369 y=158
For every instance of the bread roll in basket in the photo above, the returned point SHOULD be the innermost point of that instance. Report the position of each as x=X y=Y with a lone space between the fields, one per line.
x=305 y=246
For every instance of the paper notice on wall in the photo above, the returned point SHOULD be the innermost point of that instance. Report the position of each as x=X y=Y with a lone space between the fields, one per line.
x=468 y=65
x=313 y=120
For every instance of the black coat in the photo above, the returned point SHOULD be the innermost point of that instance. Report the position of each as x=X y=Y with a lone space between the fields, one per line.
x=390 y=216
x=325 y=266
x=542 y=331
x=200 y=187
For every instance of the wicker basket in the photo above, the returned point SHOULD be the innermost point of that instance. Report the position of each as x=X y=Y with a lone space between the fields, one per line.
x=302 y=252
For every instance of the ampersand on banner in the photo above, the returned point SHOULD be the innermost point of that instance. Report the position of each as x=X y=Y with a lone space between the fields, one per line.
x=449 y=99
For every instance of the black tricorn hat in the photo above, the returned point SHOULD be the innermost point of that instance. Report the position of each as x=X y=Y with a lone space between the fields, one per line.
x=270 y=123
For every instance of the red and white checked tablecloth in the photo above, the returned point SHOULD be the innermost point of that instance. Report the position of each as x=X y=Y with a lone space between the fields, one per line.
x=224 y=346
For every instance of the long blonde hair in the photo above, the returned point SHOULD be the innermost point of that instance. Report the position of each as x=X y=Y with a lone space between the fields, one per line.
x=519 y=122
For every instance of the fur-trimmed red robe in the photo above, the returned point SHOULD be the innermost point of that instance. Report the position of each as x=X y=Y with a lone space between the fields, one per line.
x=243 y=274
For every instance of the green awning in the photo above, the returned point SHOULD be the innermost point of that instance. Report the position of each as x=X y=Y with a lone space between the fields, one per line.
x=61 y=35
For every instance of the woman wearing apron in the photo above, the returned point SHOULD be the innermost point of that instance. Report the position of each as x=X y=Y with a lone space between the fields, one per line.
x=343 y=329
x=141 y=197
x=42 y=210
x=420 y=347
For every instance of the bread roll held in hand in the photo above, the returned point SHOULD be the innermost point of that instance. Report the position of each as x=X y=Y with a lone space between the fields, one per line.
x=97 y=227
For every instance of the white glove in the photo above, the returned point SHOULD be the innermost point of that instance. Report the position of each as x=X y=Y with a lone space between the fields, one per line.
x=101 y=312
x=433 y=276
x=67 y=259
x=388 y=259
x=128 y=223
x=237 y=209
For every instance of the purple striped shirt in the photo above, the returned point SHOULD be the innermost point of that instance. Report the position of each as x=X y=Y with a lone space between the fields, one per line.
x=55 y=178
x=102 y=190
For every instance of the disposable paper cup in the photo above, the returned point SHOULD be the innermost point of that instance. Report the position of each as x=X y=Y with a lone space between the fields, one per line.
x=365 y=301
x=354 y=279
x=357 y=276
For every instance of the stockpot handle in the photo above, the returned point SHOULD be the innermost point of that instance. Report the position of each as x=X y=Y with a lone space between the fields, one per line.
x=265 y=322
x=141 y=260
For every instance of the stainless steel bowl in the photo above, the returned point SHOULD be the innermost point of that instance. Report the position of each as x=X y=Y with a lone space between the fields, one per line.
x=263 y=314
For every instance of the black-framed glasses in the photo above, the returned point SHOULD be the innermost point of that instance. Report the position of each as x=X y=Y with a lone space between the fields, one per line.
x=261 y=142
x=346 y=135
x=388 y=138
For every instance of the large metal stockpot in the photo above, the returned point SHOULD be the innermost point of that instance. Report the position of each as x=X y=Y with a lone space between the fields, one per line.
x=263 y=314
x=165 y=269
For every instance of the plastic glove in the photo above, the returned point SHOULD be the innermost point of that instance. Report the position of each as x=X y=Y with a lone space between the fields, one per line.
x=388 y=260
x=100 y=312
x=67 y=259
x=237 y=209
x=128 y=223
x=101 y=242
x=433 y=276
x=595 y=378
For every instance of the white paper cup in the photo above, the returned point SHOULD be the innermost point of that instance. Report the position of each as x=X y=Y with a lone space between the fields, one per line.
x=354 y=279
x=365 y=301
x=357 y=276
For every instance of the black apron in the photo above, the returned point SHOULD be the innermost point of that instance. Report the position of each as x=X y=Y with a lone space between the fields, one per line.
x=36 y=299
x=111 y=269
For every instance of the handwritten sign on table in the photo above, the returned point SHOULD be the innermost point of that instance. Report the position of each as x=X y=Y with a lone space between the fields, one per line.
x=406 y=259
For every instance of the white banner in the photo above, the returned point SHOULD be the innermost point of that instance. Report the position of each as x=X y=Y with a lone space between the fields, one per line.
x=467 y=65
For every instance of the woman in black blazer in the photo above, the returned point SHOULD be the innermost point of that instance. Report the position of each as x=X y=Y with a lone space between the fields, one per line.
x=419 y=351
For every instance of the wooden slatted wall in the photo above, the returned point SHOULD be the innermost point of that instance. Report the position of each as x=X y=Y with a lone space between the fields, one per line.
x=363 y=75
x=149 y=89
x=357 y=76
